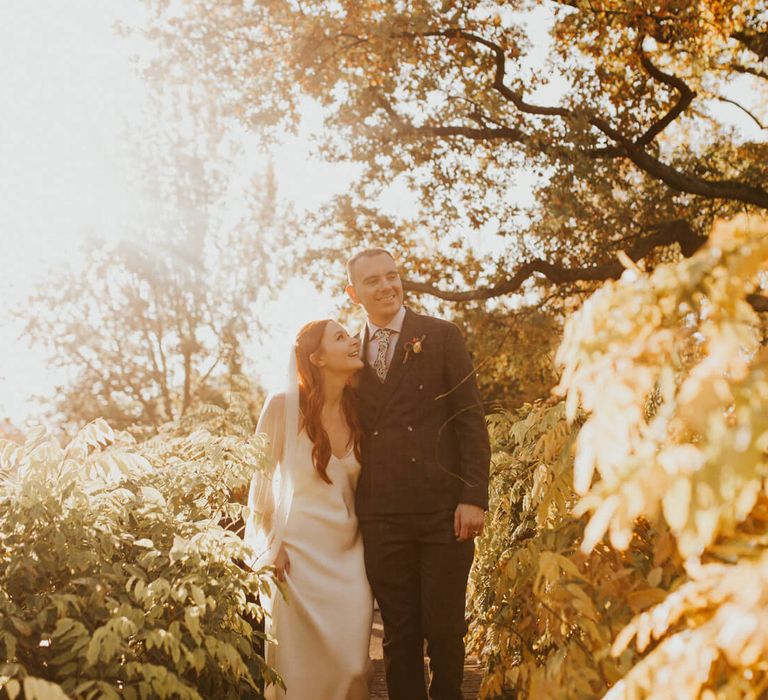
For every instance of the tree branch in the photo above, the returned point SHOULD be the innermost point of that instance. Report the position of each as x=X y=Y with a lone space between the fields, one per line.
x=634 y=151
x=668 y=233
x=686 y=96
x=745 y=110
x=712 y=189
x=758 y=302
x=476 y=134
x=676 y=180
x=756 y=42
x=748 y=70
x=678 y=231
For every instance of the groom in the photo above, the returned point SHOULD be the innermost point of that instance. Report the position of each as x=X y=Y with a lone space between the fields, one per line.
x=423 y=487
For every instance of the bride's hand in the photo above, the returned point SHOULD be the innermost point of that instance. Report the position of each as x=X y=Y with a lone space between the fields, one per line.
x=282 y=564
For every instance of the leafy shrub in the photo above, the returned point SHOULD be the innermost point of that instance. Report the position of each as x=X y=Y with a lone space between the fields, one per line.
x=544 y=614
x=117 y=578
x=686 y=336
x=645 y=517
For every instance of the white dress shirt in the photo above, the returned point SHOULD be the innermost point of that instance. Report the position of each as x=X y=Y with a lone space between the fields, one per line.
x=395 y=325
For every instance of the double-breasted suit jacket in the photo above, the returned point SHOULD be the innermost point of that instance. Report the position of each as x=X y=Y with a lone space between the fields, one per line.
x=425 y=444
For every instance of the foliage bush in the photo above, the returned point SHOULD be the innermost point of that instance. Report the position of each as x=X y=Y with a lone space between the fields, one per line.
x=646 y=521
x=688 y=336
x=544 y=614
x=118 y=577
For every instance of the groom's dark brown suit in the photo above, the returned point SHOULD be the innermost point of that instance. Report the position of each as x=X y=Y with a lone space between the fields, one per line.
x=425 y=450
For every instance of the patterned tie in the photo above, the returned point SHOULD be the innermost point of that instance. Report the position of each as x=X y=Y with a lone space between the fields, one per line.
x=380 y=363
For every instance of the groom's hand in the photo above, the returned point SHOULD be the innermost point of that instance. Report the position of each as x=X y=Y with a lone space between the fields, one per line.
x=468 y=521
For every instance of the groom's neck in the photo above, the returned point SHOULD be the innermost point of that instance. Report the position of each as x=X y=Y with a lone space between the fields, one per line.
x=382 y=321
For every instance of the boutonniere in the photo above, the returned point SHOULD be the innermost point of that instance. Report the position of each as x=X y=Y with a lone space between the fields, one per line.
x=415 y=346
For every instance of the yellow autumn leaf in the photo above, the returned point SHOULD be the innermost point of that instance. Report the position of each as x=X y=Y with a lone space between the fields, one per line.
x=644 y=598
x=676 y=503
x=598 y=523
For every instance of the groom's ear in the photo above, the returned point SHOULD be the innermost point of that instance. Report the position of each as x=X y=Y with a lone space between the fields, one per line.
x=351 y=293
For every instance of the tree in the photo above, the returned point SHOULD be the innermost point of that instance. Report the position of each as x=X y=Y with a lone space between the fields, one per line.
x=452 y=98
x=153 y=325
x=513 y=353
x=8 y=431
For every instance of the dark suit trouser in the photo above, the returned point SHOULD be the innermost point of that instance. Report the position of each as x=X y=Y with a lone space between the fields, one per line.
x=418 y=573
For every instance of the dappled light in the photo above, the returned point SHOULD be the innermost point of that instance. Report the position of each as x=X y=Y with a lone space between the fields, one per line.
x=535 y=429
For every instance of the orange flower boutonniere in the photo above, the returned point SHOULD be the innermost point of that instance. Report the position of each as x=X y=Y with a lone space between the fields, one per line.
x=415 y=346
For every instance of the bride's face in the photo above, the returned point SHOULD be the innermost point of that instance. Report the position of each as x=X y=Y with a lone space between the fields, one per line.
x=339 y=351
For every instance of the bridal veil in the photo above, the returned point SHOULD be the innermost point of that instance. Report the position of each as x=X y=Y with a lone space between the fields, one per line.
x=271 y=491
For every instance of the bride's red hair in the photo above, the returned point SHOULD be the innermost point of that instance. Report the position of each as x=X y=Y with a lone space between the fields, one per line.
x=312 y=398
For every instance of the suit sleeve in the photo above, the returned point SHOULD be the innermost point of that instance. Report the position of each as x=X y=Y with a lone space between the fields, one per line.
x=467 y=419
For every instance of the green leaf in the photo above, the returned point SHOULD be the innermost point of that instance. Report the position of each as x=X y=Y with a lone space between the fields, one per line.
x=153 y=496
x=198 y=596
x=40 y=689
x=21 y=626
x=13 y=688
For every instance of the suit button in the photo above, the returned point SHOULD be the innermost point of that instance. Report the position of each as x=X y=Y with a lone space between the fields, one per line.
x=413 y=459
x=375 y=432
x=421 y=386
x=410 y=428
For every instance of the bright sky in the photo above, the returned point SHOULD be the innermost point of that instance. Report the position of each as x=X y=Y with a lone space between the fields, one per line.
x=69 y=91
x=66 y=92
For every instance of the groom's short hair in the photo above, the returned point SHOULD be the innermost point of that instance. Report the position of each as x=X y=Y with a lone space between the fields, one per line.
x=366 y=253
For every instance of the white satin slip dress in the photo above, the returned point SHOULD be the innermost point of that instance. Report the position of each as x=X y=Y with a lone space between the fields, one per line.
x=323 y=627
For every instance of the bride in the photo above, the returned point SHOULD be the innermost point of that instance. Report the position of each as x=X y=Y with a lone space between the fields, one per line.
x=304 y=523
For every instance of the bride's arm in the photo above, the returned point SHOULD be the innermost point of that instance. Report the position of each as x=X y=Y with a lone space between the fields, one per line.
x=272 y=424
x=261 y=498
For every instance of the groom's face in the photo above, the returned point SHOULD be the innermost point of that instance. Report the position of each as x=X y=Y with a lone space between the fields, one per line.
x=376 y=285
